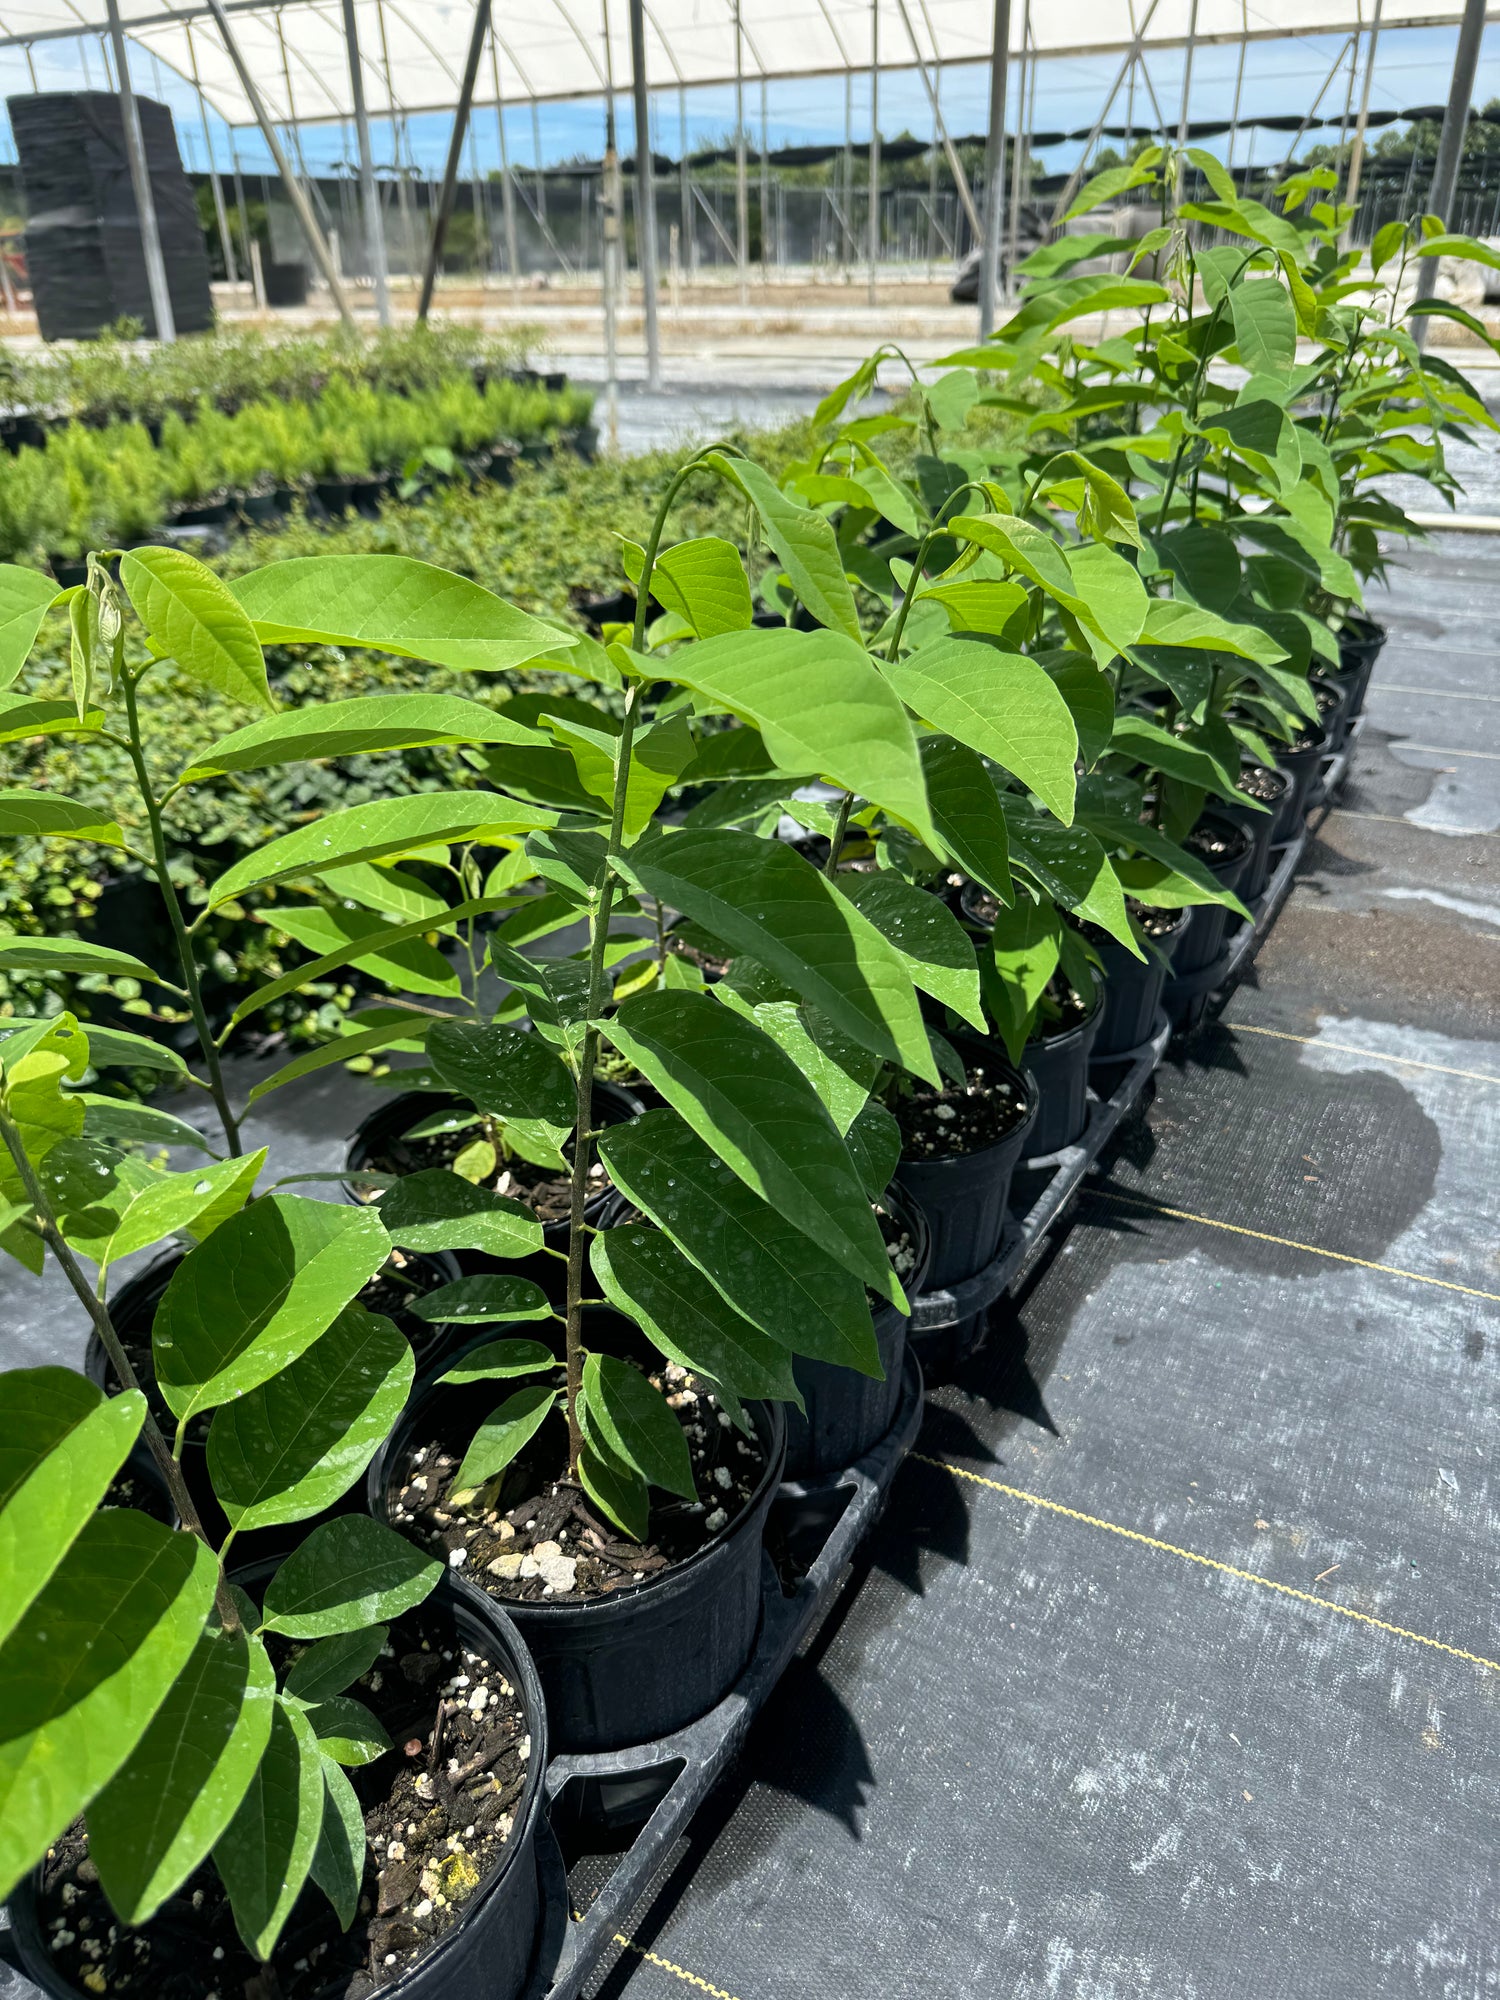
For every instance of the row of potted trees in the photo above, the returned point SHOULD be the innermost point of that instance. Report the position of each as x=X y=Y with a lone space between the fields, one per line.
x=475 y=1464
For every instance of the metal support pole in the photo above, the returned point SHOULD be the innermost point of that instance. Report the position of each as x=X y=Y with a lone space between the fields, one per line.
x=1357 y=151
x=741 y=185
x=1451 y=145
x=507 y=179
x=1187 y=91
x=140 y=181
x=1021 y=157
x=455 y=153
x=374 y=223
x=610 y=202
x=994 y=172
x=645 y=191
x=1239 y=85
x=955 y=164
x=848 y=247
x=221 y=213
x=1132 y=57
x=765 y=186
x=874 y=180
x=322 y=256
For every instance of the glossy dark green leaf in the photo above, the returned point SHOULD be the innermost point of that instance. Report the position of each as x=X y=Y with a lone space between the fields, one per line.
x=1161 y=750
x=1001 y=704
x=332 y=1665
x=636 y=1425
x=1121 y=830
x=875 y=1146
x=24 y=813
x=80 y=1679
x=645 y=1276
x=839 y=1070
x=350 y=1572
x=503 y=1071
x=479 y=1300
x=1071 y=867
x=619 y=1493
x=292 y=1446
x=182 y=1784
x=436 y=1210
x=266 y=1851
x=767 y=1269
x=502 y=1360
x=338 y=1862
x=504 y=1432
x=259 y=1292
x=1091 y=703
x=134 y=1124
x=930 y=939
x=347 y=1731
x=765 y=900
x=967 y=813
x=743 y=1095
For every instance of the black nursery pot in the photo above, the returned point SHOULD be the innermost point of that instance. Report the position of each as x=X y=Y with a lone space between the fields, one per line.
x=1132 y=989
x=1203 y=939
x=491 y=1952
x=847 y=1413
x=1059 y=1067
x=1360 y=641
x=639 y=1663
x=1260 y=826
x=1302 y=763
x=965 y=1199
x=1332 y=696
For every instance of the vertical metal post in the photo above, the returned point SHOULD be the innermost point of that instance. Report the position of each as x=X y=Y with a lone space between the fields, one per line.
x=140 y=181
x=507 y=179
x=1451 y=145
x=994 y=171
x=455 y=154
x=1187 y=88
x=873 y=252
x=741 y=186
x=1019 y=159
x=295 y=194
x=403 y=190
x=848 y=247
x=374 y=222
x=1357 y=151
x=645 y=191
x=689 y=222
x=1239 y=83
x=611 y=202
x=221 y=214
x=765 y=186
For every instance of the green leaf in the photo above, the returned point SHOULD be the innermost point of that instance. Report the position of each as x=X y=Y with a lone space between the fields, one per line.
x=767 y=1269
x=338 y=1862
x=26 y=596
x=636 y=1424
x=83 y=633
x=81 y=1678
x=115 y=1048
x=1071 y=866
x=347 y=1732
x=436 y=1210
x=171 y=1800
x=1026 y=946
x=839 y=1070
x=137 y=1124
x=934 y=945
x=504 y=1432
x=619 y=1493
x=875 y=1146
x=479 y=1301
x=804 y=542
x=397 y=1029
x=399 y=955
x=350 y=1572
x=1204 y=561
x=359 y=725
x=1192 y=881
x=703 y=581
x=291 y=1447
x=1102 y=505
x=742 y=1094
x=332 y=1665
x=1160 y=750
x=503 y=1072
x=1265 y=325
x=1000 y=704
x=61 y=1443
x=23 y=716
x=980 y=604
x=765 y=900
x=501 y=1360
x=192 y=617
x=265 y=1853
x=1090 y=699
x=1110 y=599
x=160 y=1204
x=645 y=1276
x=1114 y=181
x=1174 y=624
x=659 y=755
x=1304 y=550
x=386 y=827
x=258 y=1293
x=822 y=707
x=967 y=813
x=396 y=605
x=23 y=814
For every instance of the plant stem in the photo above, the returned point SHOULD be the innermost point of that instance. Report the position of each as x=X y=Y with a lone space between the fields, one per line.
x=184 y=943
x=840 y=826
x=119 y=1360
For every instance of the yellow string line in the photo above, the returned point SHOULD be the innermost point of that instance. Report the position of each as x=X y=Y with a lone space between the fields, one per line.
x=1208 y=1562
x=1397 y=819
x=1285 y=1242
x=1375 y=1055
x=677 y=1971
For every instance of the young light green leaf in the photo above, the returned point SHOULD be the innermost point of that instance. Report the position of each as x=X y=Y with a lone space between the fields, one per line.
x=967 y=813
x=503 y=1071
x=804 y=542
x=930 y=939
x=24 y=813
x=396 y=605
x=1160 y=750
x=395 y=1029
x=61 y=1443
x=350 y=1572
x=436 y=1210
x=636 y=1426
x=26 y=596
x=358 y=725
x=347 y=1732
x=742 y=1094
x=338 y=1862
x=980 y=604
x=822 y=707
x=80 y=1679
x=1265 y=325
x=765 y=900
x=386 y=827
x=1170 y=623
x=767 y=1269
x=22 y=716
x=258 y=1293
x=504 y=1432
x=479 y=1301
x=1000 y=704
x=160 y=1204
x=703 y=581
x=192 y=617
x=174 y=1796
x=292 y=1446
x=645 y=1276
x=265 y=1853
x=404 y=962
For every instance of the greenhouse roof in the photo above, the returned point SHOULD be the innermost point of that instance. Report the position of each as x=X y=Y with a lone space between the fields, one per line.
x=412 y=51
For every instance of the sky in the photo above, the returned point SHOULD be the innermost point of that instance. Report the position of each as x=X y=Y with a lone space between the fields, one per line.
x=1412 y=68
